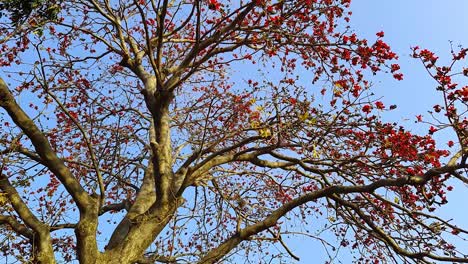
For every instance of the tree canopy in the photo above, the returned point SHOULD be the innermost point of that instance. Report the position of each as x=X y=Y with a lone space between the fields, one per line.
x=18 y=12
x=205 y=131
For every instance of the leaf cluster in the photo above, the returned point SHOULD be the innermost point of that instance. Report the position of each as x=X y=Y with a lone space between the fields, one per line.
x=19 y=11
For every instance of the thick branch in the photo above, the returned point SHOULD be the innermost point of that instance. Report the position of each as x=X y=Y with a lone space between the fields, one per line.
x=115 y=207
x=271 y=220
x=62 y=226
x=20 y=207
x=42 y=147
x=145 y=198
x=41 y=240
x=16 y=226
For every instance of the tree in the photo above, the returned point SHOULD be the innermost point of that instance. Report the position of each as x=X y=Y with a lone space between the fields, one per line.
x=128 y=116
x=33 y=12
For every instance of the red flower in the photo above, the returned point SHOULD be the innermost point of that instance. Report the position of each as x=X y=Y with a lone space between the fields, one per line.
x=419 y=118
x=395 y=67
x=259 y=2
x=398 y=76
x=10 y=57
x=450 y=143
x=432 y=130
x=213 y=4
x=367 y=109
x=410 y=171
x=380 y=34
x=464 y=93
x=379 y=105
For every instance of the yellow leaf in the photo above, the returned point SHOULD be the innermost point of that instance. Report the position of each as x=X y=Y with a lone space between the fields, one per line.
x=254 y=124
x=304 y=116
x=436 y=227
x=396 y=200
x=264 y=132
x=312 y=121
x=337 y=92
x=315 y=153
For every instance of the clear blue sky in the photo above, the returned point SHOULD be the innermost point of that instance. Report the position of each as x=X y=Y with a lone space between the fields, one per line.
x=426 y=23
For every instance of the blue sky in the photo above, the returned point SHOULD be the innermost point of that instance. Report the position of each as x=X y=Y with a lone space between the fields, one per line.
x=425 y=23
x=430 y=24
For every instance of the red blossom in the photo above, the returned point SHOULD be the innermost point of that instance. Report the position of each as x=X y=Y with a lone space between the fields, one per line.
x=379 y=105
x=410 y=171
x=398 y=76
x=367 y=109
x=380 y=34
x=214 y=4
x=394 y=67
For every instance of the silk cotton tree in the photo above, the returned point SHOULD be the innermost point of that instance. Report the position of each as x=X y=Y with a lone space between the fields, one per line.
x=207 y=131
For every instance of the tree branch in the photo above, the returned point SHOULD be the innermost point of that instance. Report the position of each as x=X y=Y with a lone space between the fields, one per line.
x=271 y=220
x=388 y=240
x=16 y=226
x=43 y=147
x=115 y=207
x=41 y=240
x=20 y=207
